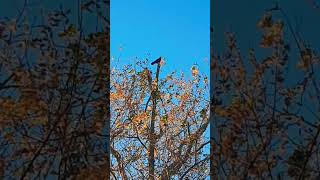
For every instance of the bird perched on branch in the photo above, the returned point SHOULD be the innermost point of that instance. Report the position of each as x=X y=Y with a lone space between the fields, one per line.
x=156 y=61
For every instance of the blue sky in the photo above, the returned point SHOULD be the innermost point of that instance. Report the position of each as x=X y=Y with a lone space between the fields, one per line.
x=177 y=30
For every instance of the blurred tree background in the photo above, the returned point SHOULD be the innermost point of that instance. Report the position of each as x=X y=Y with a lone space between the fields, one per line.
x=265 y=92
x=54 y=84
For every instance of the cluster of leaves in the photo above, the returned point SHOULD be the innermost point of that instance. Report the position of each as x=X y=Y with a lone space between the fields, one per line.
x=264 y=111
x=53 y=100
x=181 y=118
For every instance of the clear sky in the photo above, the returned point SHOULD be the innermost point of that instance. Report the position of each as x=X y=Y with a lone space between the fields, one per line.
x=177 y=30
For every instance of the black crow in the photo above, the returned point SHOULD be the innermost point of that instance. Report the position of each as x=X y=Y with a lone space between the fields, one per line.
x=156 y=61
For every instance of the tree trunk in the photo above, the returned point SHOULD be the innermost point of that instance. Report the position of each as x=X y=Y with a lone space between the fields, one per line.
x=152 y=140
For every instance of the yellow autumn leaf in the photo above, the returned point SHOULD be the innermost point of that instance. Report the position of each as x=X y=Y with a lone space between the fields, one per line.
x=221 y=111
x=140 y=117
x=39 y=121
x=194 y=71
